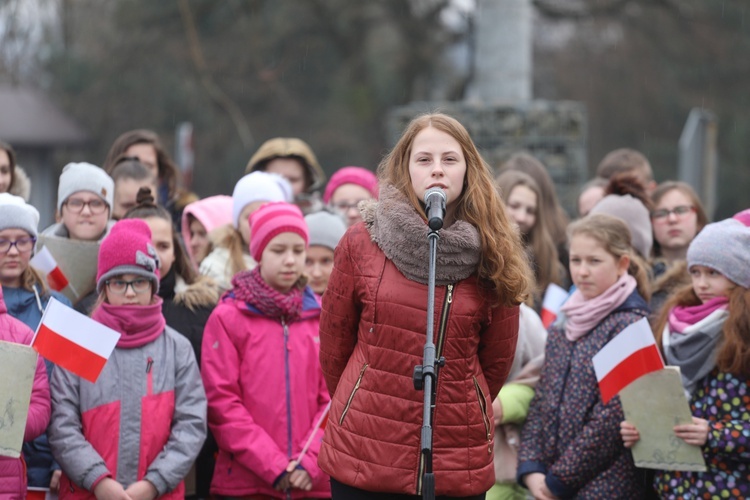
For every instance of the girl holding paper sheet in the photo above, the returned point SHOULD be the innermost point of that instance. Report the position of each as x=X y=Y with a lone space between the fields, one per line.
x=26 y=296
x=137 y=430
x=705 y=330
x=12 y=470
x=261 y=371
x=570 y=443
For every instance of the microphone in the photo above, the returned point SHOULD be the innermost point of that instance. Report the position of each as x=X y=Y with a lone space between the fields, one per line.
x=434 y=200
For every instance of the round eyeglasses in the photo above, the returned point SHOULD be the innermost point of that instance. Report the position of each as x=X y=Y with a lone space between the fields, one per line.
x=22 y=245
x=96 y=206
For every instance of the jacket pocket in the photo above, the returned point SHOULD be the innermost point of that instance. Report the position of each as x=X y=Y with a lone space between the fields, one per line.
x=351 y=396
x=483 y=410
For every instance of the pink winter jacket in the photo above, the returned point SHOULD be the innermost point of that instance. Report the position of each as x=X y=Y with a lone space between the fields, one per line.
x=265 y=394
x=13 y=470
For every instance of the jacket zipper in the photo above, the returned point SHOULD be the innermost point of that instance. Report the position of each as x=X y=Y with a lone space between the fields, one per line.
x=288 y=390
x=351 y=396
x=485 y=419
x=442 y=327
x=149 y=376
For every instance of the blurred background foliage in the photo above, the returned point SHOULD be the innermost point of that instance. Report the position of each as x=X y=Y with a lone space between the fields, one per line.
x=329 y=71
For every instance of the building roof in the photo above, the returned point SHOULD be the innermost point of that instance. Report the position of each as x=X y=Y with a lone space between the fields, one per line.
x=29 y=118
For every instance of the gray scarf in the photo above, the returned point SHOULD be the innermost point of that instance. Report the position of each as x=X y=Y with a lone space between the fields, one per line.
x=694 y=350
x=401 y=234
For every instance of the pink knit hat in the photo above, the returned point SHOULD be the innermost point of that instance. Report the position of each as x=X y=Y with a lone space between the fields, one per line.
x=352 y=175
x=212 y=212
x=272 y=219
x=127 y=249
x=743 y=217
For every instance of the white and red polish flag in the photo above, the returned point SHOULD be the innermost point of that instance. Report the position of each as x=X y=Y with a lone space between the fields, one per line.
x=74 y=341
x=45 y=263
x=554 y=297
x=626 y=358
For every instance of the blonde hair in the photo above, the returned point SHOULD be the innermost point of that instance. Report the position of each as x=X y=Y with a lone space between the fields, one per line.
x=614 y=236
x=230 y=238
x=31 y=278
x=503 y=268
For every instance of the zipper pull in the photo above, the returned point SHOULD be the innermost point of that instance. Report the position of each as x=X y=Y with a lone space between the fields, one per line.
x=149 y=364
x=450 y=294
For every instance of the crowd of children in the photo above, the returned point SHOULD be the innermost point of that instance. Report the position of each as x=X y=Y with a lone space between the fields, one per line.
x=216 y=389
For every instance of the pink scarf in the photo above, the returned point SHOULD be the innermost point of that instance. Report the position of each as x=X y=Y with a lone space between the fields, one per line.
x=583 y=315
x=682 y=317
x=138 y=325
x=250 y=287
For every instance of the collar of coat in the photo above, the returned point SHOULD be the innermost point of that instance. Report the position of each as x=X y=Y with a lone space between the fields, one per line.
x=401 y=233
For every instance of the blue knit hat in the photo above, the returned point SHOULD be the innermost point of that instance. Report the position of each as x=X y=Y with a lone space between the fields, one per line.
x=725 y=247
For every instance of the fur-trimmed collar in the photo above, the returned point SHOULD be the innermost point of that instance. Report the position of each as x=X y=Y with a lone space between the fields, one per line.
x=401 y=234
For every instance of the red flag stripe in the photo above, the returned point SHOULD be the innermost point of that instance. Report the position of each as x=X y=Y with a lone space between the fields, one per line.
x=548 y=317
x=68 y=354
x=636 y=365
x=57 y=280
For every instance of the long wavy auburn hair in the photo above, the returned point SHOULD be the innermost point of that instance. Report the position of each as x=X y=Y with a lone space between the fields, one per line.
x=503 y=267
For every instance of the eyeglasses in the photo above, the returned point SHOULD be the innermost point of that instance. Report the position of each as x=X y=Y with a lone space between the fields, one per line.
x=345 y=207
x=679 y=211
x=96 y=206
x=22 y=245
x=120 y=287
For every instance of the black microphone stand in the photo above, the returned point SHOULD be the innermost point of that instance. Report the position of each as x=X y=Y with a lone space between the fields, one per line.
x=426 y=374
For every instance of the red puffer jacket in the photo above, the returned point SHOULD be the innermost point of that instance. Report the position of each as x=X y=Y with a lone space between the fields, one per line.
x=371 y=337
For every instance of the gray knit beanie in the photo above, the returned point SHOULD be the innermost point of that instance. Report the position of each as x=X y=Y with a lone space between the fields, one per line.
x=725 y=247
x=15 y=213
x=85 y=177
x=633 y=213
x=326 y=229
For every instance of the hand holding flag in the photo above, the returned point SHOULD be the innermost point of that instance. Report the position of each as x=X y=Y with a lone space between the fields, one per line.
x=554 y=297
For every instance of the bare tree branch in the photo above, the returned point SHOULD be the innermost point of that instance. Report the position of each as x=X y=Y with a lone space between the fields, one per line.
x=214 y=91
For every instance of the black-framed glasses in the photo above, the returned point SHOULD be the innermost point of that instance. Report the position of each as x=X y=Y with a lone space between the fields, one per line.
x=22 y=245
x=120 y=287
x=679 y=211
x=96 y=206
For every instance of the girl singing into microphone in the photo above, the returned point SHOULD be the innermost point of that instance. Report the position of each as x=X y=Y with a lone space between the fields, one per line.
x=372 y=327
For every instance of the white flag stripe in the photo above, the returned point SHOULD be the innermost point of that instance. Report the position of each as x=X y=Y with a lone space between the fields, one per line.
x=633 y=338
x=80 y=329
x=44 y=261
x=554 y=298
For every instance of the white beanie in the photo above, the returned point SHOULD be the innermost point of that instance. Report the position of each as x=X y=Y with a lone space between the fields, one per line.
x=85 y=177
x=325 y=228
x=15 y=213
x=259 y=186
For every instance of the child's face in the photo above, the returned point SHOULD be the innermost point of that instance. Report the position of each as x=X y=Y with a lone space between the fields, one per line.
x=14 y=262
x=522 y=206
x=162 y=239
x=282 y=261
x=318 y=266
x=85 y=216
x=592 y=267
x=199 y=242
x=709 y=283
x=128 y=290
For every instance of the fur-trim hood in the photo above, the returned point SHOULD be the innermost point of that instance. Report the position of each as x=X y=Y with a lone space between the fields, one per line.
x=21 y=184
x=204 y=292
x=280 y=147
x=401 y=233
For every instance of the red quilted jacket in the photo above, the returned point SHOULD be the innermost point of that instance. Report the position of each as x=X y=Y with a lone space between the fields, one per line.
x=371 y=337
